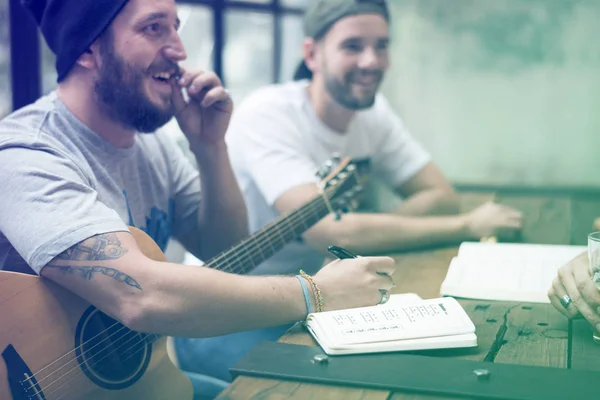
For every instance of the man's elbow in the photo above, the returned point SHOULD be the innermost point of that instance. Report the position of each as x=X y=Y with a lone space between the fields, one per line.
x=137 y=314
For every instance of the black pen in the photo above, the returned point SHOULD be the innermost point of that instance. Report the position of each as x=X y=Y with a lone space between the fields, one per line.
x=340 y=252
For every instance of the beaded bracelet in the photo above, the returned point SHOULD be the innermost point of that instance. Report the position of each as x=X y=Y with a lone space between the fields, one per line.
x=316 y=291
x=306 y=296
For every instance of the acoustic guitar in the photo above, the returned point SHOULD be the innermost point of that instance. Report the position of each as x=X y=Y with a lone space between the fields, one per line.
x=57 y=346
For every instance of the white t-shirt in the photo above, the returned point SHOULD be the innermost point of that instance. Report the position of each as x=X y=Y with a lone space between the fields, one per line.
x=276 y=142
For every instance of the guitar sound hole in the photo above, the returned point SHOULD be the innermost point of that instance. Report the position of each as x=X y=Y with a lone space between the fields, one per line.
x=110 y=354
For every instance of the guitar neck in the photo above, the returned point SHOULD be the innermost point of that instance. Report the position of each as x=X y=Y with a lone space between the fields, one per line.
x=271 y=238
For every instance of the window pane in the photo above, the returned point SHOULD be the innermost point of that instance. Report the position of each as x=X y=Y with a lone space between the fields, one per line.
x=5 y=86
x=248 y=54
x=291 y=51
x=196 y=32
x=294 y=3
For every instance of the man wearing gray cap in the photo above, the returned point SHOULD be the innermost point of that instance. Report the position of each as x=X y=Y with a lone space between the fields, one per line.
x=282 y=133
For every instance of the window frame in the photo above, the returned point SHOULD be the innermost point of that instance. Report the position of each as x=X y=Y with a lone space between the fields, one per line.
x=26 y=69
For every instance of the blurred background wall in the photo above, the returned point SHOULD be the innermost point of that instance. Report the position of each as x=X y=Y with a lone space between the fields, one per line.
x=501 y=92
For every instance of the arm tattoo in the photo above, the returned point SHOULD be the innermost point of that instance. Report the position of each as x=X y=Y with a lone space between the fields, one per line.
x=88 y=273
x=97 y=248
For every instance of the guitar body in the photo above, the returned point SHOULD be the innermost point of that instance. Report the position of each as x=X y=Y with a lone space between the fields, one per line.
x=75 y=352
x=54 y=345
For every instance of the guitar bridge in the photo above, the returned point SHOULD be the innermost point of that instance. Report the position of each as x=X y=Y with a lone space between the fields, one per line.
x=22 y=382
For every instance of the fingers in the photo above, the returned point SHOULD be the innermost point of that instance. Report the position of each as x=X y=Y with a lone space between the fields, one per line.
x=511 y=212
x=514 y=218
x=178 y=100
x=597 y=224
x=215 y=95
x=557 y=292
x=385 y=265
x=390 y=280
x=589 y=293
x=204 y=87
x=384 y=268
x=512 y=223
x=567 y=279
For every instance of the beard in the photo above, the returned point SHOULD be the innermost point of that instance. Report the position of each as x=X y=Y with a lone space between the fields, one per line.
x=340 y=89
x=120 y=90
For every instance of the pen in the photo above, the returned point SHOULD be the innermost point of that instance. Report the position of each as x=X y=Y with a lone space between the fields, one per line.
x=340 y=252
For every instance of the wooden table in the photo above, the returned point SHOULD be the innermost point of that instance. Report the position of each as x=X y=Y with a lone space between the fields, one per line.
x=508 y=332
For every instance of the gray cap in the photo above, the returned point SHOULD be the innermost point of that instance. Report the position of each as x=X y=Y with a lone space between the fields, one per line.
x=322 y=14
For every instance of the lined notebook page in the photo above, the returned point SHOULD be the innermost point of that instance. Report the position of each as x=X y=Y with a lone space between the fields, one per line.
x=427 y=318
x=506 y=271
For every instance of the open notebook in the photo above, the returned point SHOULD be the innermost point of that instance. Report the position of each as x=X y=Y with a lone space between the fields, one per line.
x=405 y=322
x=506 y=271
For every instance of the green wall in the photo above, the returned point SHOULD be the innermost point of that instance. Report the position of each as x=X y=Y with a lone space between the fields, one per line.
x=501 y=92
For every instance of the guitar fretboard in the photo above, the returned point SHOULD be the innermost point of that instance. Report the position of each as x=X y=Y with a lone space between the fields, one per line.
x=273 y=237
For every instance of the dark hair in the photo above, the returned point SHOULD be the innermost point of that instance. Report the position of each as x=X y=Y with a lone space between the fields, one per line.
x=302 y=72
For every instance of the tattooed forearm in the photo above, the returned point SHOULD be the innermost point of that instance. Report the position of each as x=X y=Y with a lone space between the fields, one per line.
x=97 y=248
x=88 y=273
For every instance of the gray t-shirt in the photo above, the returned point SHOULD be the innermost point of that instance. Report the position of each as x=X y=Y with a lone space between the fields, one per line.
x=61 y=184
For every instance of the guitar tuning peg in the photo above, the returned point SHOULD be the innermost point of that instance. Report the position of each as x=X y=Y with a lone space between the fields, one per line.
x=322 y=172
x=351 y=168
x=336 y=157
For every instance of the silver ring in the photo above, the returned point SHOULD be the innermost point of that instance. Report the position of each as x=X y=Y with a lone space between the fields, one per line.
x=385 y=296
x=565 y=300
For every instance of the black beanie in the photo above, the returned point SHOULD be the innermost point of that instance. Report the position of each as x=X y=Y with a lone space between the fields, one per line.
x=71 y=26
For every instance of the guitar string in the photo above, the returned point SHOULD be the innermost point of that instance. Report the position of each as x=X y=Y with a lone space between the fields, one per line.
x=85 y=352
x=141 y=345
x=131 y=354
x=251 y=254
x=75 y=367
x=309 y=207
x=91 y=366
x=227 y=255
x=104 y=331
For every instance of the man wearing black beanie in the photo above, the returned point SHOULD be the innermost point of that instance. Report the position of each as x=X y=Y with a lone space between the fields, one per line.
x=81 y=164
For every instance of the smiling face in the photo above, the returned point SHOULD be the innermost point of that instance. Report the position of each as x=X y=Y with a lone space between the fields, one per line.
x=139 y=54
x=351 y=59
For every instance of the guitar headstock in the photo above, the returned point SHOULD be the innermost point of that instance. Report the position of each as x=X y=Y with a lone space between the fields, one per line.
x=339 y=185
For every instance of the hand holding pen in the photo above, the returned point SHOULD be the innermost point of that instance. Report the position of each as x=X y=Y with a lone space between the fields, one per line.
x=354 y=281
x=343 y=254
